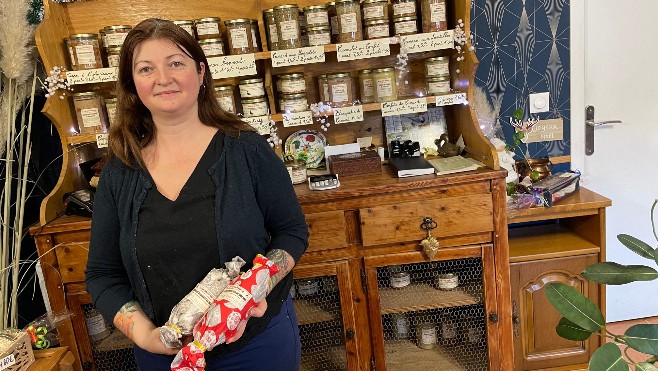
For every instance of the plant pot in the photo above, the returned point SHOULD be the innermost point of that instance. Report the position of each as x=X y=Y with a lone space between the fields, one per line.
x=542 y=166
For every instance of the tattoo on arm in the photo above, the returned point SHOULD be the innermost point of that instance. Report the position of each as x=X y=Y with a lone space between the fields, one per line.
x=124 y=320
x=283 y=261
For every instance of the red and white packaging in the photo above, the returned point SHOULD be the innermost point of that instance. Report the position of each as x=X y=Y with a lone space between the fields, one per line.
x=225 y=315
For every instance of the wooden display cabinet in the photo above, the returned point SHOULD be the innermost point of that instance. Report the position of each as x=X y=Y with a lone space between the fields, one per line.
x=571 y=237
x=370 y=222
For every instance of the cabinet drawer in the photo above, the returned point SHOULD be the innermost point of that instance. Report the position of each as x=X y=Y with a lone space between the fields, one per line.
x=327 y=230
x=400 y=222
x=71 y=250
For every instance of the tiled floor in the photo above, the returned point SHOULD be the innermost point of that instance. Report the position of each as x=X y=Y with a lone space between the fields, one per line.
x=618 y=328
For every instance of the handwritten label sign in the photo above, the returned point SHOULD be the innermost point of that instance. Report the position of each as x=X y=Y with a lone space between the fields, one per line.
x=101 y=140
x=7 y=361
x=297 y=119
x=232 y=66
x=448 y=99
x=362 y=50
x=293 y=57
x=260 y=123
x=400 y=107
x=92 y=76
x=544 y=131
x=424 y=42
x=348 y=114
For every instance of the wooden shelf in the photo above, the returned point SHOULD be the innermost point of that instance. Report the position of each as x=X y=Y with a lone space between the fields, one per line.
x=82 y=138
x=581 y=203
x=309 y=312
x=422 y=296
x=546 y=242
x=400 y=354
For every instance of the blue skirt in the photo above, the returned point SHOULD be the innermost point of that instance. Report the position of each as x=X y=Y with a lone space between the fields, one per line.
x=278 y=348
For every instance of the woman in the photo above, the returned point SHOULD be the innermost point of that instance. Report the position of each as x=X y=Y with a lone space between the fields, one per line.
x=187 y=188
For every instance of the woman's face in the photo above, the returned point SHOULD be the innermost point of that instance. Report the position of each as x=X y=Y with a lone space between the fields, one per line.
x=166 y=79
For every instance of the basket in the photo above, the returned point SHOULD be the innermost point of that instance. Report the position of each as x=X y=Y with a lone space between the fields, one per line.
x=18 y=356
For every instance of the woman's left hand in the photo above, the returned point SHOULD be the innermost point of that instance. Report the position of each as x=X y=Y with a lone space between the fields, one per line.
x=257 y=311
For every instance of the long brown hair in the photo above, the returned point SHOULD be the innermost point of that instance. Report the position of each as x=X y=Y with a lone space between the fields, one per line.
x=134 y=127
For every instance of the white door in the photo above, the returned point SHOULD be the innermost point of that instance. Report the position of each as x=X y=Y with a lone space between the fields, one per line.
x=613 y=55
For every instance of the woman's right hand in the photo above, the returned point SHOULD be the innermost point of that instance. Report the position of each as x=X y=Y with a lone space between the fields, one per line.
x=150 y=342
x=135 y=324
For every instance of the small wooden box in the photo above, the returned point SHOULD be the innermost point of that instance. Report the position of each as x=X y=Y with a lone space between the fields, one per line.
x=18 y=356
x=355 y=163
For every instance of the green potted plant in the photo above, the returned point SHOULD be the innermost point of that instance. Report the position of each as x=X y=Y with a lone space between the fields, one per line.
x=582 y=318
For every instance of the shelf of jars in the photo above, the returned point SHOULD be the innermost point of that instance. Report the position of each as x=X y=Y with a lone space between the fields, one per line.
x=309 y=312
x=423 y=296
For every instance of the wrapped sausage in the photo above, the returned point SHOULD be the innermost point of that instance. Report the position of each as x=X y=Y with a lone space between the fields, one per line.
x=225 y=315
x=194 y=305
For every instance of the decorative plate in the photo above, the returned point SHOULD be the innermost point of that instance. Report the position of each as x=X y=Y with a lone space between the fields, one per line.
x=309 y=146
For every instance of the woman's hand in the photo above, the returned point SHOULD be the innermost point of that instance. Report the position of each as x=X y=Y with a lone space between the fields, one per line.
x=257 y=311
x=150 y=342
x=132 y=321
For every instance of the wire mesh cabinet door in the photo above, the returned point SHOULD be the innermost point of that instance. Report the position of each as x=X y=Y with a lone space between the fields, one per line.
x=431 y=314
x=325 y=307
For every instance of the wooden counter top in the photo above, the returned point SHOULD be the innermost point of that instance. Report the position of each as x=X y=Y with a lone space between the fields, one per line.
x=582 y=202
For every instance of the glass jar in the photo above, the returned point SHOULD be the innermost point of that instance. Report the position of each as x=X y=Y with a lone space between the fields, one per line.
x=212 y=47
x=438 y=85
x=89 y=112
x=287 y=26
x=111 y=108
x=187 y=25
x=375 y=9
x=447 y=281
x=113 y=54
x=376 y=29
x=400 y=325
x=333 y=20
x=67 y=45
x=384 y=82
x=426 y=335
x=253 y=107
x=366 y=86
x=449 y=330
x=254 y=35
x=319 y=35
x=323 y=88
x=239 y=34
x=292 y=83
x=317 y=15
x=114 y=35
x=271 y=31
x=97 y=328
x=307 y=287
x=101 y=37
x=405 y=25
x=404 y=8
x=437 y=66
x=340 y=89
x=291 y=103
x=207 y=28
x=86 y=50
x=252 y=88
x=400 y=280
x=433 y=15
x=225 y=98
x=349 y=21
x=297 y=171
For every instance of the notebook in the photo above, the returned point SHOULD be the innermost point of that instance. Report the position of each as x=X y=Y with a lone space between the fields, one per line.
x=454 y=164
x=410 y=166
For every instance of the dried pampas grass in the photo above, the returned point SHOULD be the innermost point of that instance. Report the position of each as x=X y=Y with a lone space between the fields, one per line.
x=486 y=113
x=16 y=35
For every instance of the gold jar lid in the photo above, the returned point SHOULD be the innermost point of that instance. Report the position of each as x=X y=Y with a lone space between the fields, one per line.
x=315 y=7
x=223 y=88
x=293 y=96
x=211 y=41
x=113 y=50
x=207 y=20
x=254 y=100
x=290 y=76
x=439 y=78
x=339 y=74
x=182 y=22
x=403 y=1
x=405 y=18
x=237 y=20
x=110 y=100
x=382 y=70
x=85 y=94
x=250 y=81
x=374 y=1
x=319 y=29
x=117 y=27
x=344 y=1
x=331 y=3
x=365 y=72
x=83 y=36
x=322 y=76
x=270 y=10
x=286 y=6
x=375 y=22
x=437 y=59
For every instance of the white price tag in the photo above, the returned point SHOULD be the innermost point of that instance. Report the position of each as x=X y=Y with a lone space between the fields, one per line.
x=297 y=119
x=362 y=50
x=260 y=123
x=7 y=361
x=293 y=57
x=400 y=107
x=424 y=42
x=92 y=76
x=449 y=99
x=101 y=140
x=232 y=66
x=344 y=115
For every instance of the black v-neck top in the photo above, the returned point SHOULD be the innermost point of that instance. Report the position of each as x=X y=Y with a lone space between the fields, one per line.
x=177 y=240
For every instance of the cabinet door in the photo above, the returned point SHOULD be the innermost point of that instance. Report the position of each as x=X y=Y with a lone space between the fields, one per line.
x=536 y=343
x=325 y=300
x=431 y=314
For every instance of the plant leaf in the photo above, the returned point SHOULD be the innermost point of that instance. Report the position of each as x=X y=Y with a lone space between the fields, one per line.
x=571 y=331
x=637 y=246
x=643 y=338
x=655 y=255
x=644 y=366
x=518 y=114
x=608 y=358
x=611 y=273
x=575 y=307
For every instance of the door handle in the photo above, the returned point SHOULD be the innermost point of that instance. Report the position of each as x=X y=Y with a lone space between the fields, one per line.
x=590 y=124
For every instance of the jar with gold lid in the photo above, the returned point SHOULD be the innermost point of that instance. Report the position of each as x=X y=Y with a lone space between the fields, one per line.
x=297 y=171
x=319 y=35
x=67 y=45
x=385 y=84
x=287 y=25
x=239 y=35
x=89 y=112
x=405 y=25
x=291 y=103
x=207 y=28
x=86 y=51
x=438 y=85
x=323 y=88
x=404 y=8
x=225 y=98
x=253 y=107
x=212 y=47
x=316 y=15
x=254 y=35
x=112 y=55
x=433 y=15
x=437 y=66
x=251 y=88
x=426 y=335
x=111 y=109
x=271 y=32
x=333 y=20
x=375 y=9
x=376 y=29
x=187 y=25
x=340 y=89
x=291 y=83
x=349 y=21
x=366 y=86
x=114 y=35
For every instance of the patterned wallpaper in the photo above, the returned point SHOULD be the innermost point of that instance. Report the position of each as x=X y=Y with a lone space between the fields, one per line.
x=523 y=47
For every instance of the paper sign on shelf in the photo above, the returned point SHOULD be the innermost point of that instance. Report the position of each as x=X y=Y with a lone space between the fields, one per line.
x=400 y=107
x=545 y=131
x=101 y=140
x=293 y=57
x=425 y=42
x=232 y=66
x=362 y=50
x=297 y=119
x=344 y=115
x=92 y=76
x=448 y=99
x=260 y=123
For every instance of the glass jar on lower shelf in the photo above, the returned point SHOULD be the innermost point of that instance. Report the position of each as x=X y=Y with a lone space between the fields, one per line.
x=385 y=84
x=341 y=89
x=438 y=85
x=254 y=107
x=405 y=25
x=89 y=112
x=292 y=103
x=319 y=35
x=225 y=98
x=377 y=29
x=366 y=86
x=212 y=47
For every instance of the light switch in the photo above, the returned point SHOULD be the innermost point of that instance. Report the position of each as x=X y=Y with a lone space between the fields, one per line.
x=539 y=102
